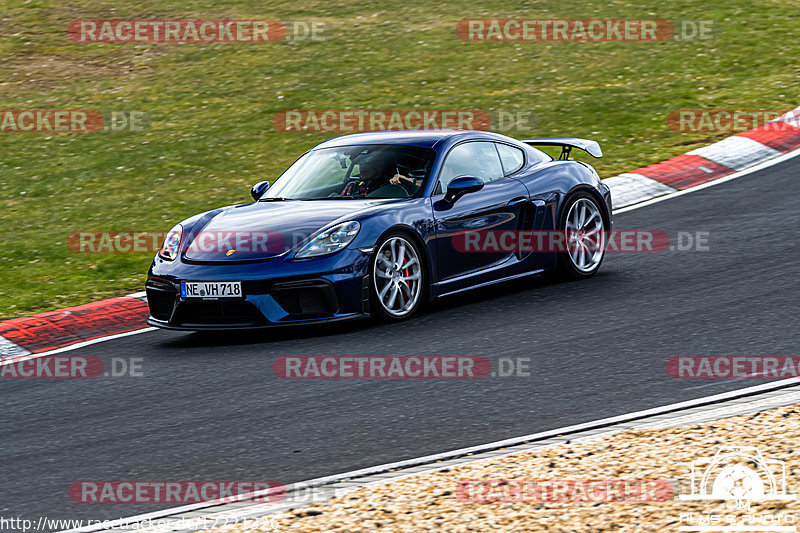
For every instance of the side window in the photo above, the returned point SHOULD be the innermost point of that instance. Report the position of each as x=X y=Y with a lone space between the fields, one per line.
x=536 y=156
x=511 y=157
x=477 y=159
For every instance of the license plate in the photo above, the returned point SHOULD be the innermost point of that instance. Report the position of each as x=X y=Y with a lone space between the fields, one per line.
x=211 y=290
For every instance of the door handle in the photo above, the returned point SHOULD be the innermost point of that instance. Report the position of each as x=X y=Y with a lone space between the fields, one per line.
x=517 y=201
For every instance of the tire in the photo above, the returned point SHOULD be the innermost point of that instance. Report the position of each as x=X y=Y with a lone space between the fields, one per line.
x=397 y=288
x=585 y=244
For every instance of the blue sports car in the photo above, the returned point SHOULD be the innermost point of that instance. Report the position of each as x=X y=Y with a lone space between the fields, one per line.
x=376 y=224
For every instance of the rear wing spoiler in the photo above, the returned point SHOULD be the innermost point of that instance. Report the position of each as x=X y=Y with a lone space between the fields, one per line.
x=567 y=144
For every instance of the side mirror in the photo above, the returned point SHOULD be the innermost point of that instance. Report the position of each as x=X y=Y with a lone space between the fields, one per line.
x=460 y=186
x=259 y=189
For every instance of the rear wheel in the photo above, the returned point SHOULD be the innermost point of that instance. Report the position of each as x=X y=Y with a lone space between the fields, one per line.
x=584 y=233
x=398 y=278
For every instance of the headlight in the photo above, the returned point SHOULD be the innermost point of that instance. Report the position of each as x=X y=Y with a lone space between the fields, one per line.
x=169 y=250
x=330 y=241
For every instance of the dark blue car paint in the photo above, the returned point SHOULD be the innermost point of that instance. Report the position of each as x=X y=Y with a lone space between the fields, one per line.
x=529 y=199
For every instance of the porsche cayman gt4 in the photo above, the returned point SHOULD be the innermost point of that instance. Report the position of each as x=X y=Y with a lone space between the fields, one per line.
x=376 y=224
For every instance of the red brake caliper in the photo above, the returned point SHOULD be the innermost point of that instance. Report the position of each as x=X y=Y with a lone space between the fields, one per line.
x=406 y=272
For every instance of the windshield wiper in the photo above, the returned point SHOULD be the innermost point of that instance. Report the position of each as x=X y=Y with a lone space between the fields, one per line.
x=274 y=199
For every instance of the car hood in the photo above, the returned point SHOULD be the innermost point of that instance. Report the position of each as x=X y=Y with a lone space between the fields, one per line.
x=262 y=230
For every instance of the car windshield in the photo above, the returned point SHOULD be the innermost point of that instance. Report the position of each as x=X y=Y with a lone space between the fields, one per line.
x=362 y=171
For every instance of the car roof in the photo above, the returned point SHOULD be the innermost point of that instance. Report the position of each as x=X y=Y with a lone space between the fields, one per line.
x=425 y=138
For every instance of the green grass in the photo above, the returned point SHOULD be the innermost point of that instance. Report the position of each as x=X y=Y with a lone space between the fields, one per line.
x=211 y=106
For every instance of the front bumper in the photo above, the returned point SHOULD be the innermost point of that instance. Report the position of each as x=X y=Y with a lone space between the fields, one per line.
x=166 y=325
x=276 y=293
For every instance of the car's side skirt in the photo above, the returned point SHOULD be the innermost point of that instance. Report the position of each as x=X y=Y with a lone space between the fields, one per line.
x=492 y=282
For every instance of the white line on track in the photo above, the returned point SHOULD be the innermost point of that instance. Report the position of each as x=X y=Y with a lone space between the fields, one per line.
x=17 y=358
x=739 y=174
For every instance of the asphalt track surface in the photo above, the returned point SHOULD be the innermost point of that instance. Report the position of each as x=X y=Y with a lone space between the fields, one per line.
x=210 y=408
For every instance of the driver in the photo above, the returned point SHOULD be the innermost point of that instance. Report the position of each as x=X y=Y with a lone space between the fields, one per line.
x=375 y=173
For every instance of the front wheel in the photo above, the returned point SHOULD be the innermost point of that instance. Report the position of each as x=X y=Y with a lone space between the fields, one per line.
x=398 y=278
x=584 y=231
